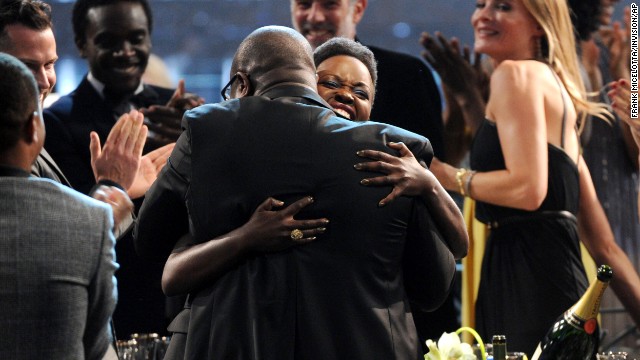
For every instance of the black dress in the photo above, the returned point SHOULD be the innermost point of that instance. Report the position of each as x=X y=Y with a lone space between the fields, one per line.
x=532 y=270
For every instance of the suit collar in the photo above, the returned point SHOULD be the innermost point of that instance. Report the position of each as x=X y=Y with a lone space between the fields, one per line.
x=12 y=171
x=53 y=167
x=99 y=86
x=145 y=95
x=296 y=91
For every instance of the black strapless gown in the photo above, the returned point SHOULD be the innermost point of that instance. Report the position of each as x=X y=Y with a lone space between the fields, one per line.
x=532 y=269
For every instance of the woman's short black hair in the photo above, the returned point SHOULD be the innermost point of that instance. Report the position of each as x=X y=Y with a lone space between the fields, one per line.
x=343 y=46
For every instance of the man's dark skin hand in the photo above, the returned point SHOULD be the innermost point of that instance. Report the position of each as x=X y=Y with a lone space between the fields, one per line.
x=164 y=121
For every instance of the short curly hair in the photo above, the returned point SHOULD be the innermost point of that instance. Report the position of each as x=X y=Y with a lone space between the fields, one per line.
x=585 y=16
x=343 y=46
x=81 y=9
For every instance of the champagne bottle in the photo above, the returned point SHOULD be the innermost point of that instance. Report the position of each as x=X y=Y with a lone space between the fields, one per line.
x=575 y=334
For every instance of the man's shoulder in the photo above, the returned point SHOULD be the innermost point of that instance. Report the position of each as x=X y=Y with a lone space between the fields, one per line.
x=401 y=71
x=419 y=145
x=396 y=132
x=43 y=189
x=81 y=94
x=395 y=58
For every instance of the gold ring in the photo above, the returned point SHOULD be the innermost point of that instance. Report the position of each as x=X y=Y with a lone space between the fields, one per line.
x=296 y=234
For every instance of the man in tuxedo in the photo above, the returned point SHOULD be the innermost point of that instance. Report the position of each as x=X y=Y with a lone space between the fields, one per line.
x=115 y=38
x=343 y=296
x=57 y=267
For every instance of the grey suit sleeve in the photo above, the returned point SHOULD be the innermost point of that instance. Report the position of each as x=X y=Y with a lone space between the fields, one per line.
x=102 y=293
x=163 y=218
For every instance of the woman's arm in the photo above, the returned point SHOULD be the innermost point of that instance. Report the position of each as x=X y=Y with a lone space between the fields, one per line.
x=598 y=238
x=517 y=105
x=409 y=178
x=190 y=267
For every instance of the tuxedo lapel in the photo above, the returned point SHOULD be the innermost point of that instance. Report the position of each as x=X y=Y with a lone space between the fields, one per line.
x=48 y=160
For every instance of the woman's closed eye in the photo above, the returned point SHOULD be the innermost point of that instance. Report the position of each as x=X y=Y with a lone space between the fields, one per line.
x=330 y=84
x=361 y=93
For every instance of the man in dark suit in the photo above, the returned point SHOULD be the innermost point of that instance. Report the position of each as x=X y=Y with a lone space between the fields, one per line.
x=115 y=38
x=56 y=266
x=26 y=33
x=399 y=75
x=343 y=296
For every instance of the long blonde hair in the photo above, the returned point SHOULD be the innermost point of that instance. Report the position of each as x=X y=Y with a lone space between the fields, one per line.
x=559 y=50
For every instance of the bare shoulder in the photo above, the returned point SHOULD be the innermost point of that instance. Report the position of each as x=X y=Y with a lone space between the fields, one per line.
x=514 y=74
x=516 y=89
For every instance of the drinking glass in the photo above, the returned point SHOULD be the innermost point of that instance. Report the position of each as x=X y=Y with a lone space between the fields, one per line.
x=620 y=355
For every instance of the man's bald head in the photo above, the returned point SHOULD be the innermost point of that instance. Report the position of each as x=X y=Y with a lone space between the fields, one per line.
x=272 y=55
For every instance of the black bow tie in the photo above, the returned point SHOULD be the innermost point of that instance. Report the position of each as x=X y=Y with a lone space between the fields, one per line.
x=121 y=104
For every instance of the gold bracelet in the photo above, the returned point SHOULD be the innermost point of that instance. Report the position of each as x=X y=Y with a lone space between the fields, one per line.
x=467 y=182
x=459 y=175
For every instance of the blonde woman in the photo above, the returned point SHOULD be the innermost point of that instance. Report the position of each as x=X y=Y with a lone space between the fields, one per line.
x=529 y=179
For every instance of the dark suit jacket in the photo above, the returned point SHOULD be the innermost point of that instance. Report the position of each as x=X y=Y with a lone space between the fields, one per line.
x=344 y=296
x=407 y=96
x=69 y=121
x=141 y=307
x=56 y=269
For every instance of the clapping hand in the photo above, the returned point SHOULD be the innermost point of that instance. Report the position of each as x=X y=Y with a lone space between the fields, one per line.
x=150 y=166
x=164 y=121
x=620 y=95
x=182 y=100
x=616 y=39
x=118 y=160
x=120 y=203
x=455 y=67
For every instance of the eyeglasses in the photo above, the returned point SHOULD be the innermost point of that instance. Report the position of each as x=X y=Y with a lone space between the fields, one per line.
x=226 y=90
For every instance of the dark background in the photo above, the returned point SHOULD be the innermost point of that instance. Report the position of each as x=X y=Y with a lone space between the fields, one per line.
x=197 y=38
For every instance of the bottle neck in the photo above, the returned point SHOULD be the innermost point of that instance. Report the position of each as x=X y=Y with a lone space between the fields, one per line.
x=582 y=314
x=589 y=304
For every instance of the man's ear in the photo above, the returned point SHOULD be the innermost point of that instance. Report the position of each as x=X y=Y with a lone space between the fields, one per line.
x=358 y=10
x=30 y=132
x=244 y=86
x=80 y=44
